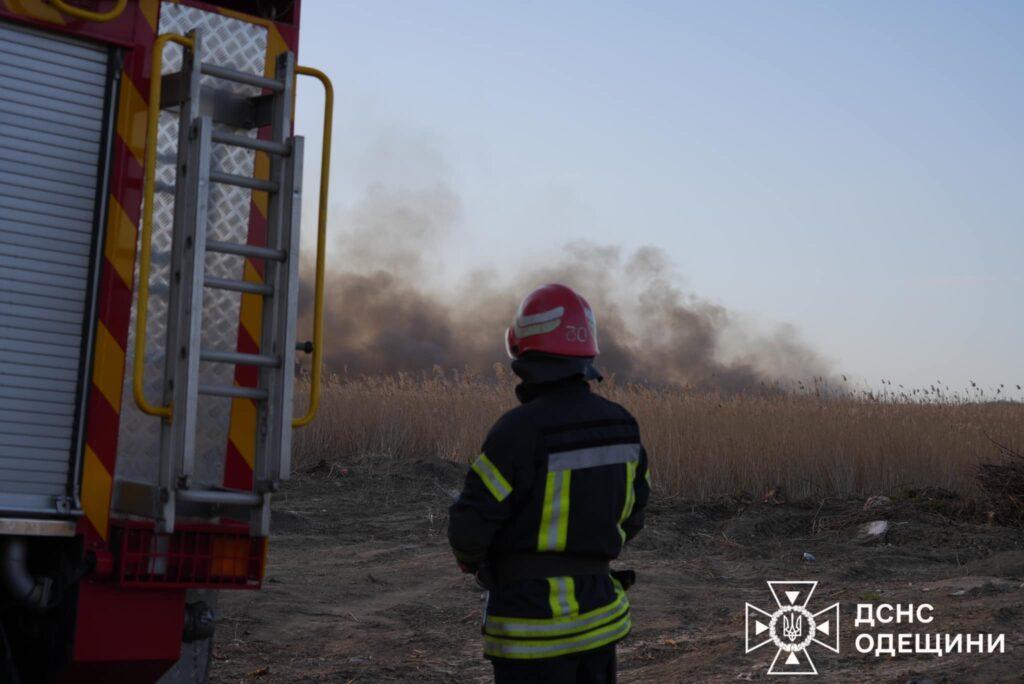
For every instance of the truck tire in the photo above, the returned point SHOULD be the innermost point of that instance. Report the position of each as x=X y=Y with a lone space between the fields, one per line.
x=193 y=667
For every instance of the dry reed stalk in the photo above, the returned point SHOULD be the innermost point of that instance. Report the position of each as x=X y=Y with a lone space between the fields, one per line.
x=702 y=445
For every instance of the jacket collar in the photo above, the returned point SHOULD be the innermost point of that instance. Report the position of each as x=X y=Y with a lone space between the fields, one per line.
x=545 y=374
x=528 y=391
x=536 y=368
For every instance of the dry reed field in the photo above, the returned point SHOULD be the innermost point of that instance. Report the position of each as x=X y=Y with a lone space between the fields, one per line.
x=798 y=444
x=361 y=585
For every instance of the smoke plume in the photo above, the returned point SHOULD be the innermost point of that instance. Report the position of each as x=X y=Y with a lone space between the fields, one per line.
x=386 y=313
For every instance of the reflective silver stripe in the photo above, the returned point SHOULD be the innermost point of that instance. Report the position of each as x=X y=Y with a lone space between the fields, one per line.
x=538 y=323
x=558 y=646
x=511 y=627
x=541 y=317
x=563 y=595
x=591 y=457
x=556 y=510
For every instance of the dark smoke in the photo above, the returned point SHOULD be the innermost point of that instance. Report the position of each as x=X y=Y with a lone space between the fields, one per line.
x=384 y=313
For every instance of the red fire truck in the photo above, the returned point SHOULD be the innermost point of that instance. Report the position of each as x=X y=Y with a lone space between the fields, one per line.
x=150 y=192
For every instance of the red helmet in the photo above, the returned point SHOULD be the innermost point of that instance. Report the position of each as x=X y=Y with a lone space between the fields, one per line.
x=553 y=319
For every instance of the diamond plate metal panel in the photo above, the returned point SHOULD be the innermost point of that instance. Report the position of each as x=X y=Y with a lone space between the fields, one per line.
x=240 y=45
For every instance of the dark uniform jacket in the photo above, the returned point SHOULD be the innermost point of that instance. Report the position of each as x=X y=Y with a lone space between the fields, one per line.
x=564 y=473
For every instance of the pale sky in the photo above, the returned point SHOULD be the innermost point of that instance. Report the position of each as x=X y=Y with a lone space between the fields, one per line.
x=855 y=169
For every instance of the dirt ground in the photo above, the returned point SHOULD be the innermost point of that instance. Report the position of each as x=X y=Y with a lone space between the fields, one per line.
x=361 y=587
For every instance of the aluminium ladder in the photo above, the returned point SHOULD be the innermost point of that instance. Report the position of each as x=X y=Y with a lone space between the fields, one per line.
x=199 y=105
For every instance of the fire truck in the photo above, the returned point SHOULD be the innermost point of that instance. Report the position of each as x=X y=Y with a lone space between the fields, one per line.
x=150 y=196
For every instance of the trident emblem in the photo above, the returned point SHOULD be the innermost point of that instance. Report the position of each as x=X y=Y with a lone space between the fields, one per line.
x=792 y=626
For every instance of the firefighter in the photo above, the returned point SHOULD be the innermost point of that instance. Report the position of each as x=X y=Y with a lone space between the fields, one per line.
x=559 y=487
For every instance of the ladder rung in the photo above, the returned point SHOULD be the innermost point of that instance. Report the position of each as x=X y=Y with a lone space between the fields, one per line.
x=243 y=286
x=268 y=146
x=239 y=358
x=234 y=392
x=242 y=77
x=251 y=251
x=243 y=181
x=217 y=496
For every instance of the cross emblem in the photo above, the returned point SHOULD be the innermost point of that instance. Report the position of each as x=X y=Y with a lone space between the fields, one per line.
x=792 y=628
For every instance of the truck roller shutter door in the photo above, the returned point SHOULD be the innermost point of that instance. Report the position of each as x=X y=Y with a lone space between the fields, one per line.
x=52 y=118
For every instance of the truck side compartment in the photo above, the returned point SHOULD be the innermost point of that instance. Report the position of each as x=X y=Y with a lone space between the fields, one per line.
x=117 y=526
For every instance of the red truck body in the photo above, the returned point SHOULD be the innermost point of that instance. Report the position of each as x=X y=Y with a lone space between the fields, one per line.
x=123 y=611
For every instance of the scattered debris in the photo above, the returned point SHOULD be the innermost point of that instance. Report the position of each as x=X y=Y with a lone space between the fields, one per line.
x=872 y=532
x=877 y=501
x=809 y=557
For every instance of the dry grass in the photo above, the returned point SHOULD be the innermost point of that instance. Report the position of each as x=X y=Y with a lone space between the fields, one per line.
x=806 y=444
x=1003 y=486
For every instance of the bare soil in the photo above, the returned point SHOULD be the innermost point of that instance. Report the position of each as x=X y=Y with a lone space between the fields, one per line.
x=361 y=587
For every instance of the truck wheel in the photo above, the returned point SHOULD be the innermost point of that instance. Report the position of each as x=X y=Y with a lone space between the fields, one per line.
x=193 y=667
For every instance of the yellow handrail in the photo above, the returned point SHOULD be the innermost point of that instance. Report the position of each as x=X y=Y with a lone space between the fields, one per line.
x=321 y=239
x=111 y=14
x=146 y=238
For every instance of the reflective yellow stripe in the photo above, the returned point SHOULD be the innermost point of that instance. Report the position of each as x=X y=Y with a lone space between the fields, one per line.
x=149 y=9
x=554 y=519
x=96 y=487
x=627 y=507
x=647 y=475
x=570 y=596
x=555 y=597
x=492 y=477
x=572 y=624
x=108 y=369
x=562 y=596
x=131 y=125
x=549 y=648
x=119 y=244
